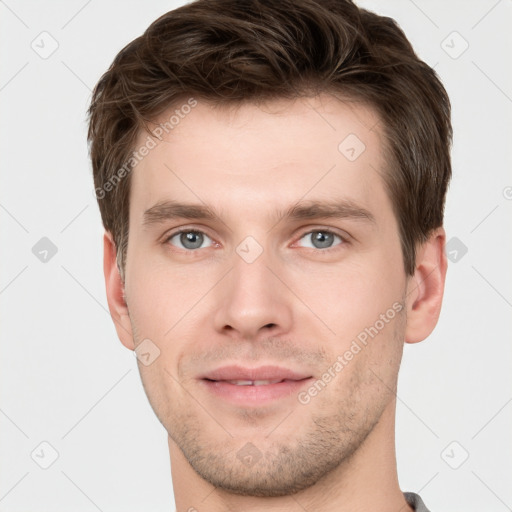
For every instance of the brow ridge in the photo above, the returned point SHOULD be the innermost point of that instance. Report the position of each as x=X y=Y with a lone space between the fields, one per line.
x=305 y=210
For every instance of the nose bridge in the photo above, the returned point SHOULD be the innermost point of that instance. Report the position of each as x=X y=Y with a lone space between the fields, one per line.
x=252 y=297
x=251 y=278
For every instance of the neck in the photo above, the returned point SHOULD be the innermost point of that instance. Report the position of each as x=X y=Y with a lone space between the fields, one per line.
x=367 y=481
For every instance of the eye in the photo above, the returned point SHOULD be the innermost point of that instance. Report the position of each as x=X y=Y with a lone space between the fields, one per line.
x=321 y=239
x=188 y=239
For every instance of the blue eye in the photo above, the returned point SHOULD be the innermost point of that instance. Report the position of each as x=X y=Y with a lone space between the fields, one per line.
x=189 y=239
x=322 y=238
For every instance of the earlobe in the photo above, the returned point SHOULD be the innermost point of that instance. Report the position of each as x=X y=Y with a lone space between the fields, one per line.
x=115 y=293
x=426 y=287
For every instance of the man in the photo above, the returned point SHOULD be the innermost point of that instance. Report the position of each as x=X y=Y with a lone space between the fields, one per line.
x=271 y=177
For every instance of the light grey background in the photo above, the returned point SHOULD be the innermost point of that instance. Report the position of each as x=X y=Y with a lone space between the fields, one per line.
x=68 y=381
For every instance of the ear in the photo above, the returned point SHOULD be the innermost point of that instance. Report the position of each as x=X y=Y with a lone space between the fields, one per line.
x=115 y=293
x=426 y=287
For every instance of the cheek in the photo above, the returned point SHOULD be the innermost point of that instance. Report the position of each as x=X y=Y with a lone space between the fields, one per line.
x=162 y=297
x=365 y=368
x=350 y=298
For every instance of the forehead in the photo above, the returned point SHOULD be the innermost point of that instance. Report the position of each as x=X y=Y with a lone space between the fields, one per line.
x=252 y=155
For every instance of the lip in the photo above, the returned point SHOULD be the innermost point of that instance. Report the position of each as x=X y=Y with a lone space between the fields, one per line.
x=235 y=372
x=216 y=382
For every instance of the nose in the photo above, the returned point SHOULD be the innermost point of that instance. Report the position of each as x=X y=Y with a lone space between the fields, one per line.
x=252 y=301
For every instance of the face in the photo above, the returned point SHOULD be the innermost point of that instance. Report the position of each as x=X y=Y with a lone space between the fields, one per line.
x=264 y=264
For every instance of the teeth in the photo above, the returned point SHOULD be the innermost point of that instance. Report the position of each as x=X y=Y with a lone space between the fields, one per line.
x=253 y=382
x=241 y=382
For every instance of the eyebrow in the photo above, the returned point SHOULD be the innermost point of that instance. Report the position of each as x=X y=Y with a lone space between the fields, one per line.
x=306 y=210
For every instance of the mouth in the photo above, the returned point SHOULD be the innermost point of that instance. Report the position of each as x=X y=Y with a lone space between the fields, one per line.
x=246 y=376
x=251 y=382
x=254 y=386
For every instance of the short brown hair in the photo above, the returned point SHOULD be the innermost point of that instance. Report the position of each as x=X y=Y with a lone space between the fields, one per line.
x=235 y=51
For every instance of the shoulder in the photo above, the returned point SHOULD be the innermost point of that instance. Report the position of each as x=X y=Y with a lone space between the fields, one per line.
x=415 y=501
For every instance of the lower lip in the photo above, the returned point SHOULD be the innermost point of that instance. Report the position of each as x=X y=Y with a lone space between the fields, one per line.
x=255 y=395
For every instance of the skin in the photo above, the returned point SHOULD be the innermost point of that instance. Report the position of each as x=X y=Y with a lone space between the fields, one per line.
x=296 y=305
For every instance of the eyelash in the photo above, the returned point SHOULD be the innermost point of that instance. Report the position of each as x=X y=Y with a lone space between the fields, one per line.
x=344 y=240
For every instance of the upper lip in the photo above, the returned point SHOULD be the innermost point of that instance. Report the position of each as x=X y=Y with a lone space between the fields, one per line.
x=235 y=372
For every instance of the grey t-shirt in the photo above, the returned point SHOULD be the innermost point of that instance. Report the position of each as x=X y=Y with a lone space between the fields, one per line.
x=415 y=501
